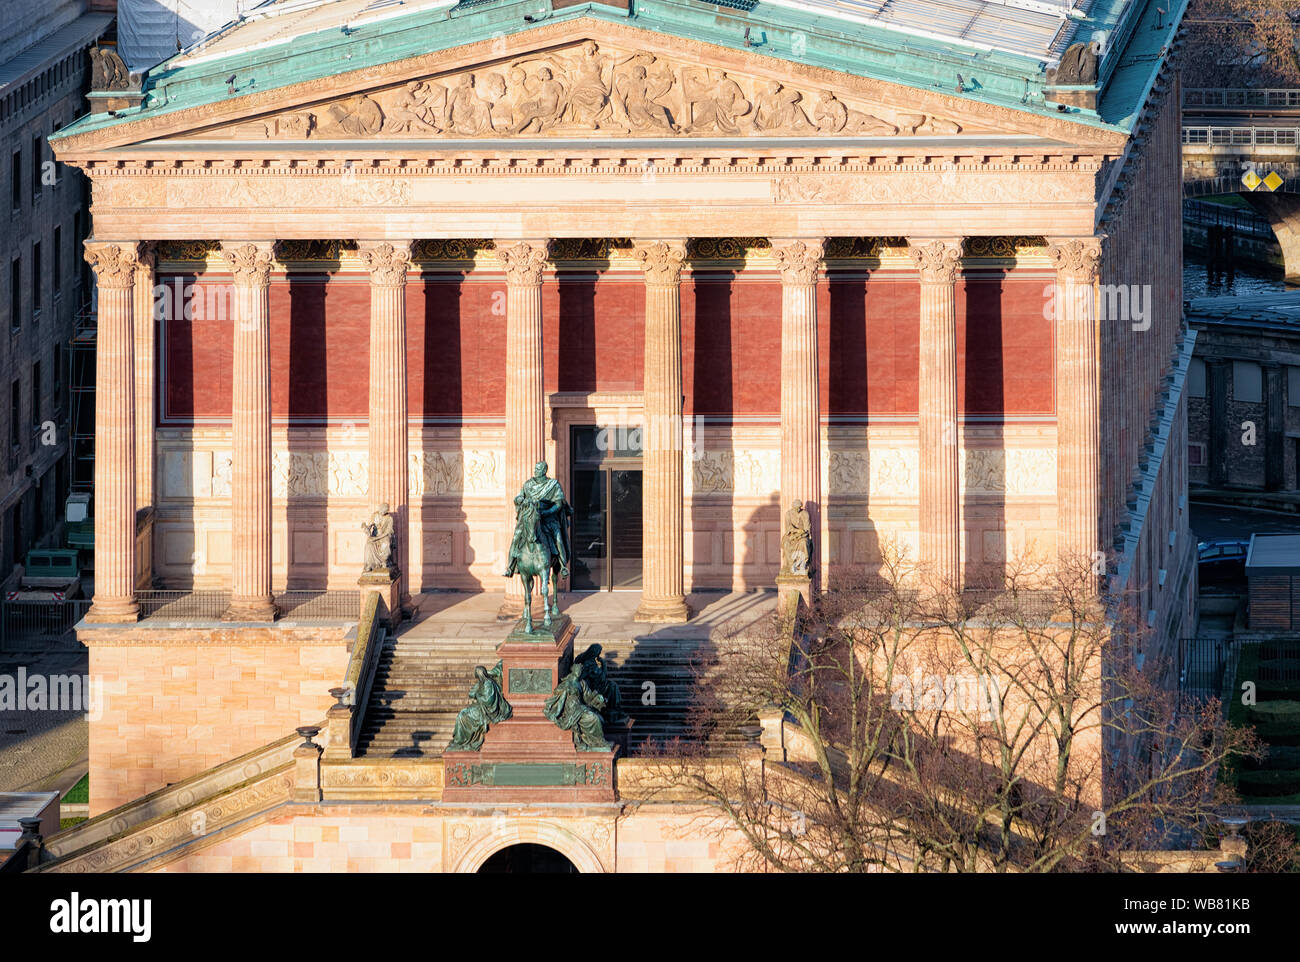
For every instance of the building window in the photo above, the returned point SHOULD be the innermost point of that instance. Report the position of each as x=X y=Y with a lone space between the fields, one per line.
x=16 y=294
x=56 y=262
x=15 y=419
x=37 y=153
x=1293 y=387
x=1196 y=378
x=37 y=279
x=36 y=401
x=16 y=184
x=1246 y=381
x=57 y=364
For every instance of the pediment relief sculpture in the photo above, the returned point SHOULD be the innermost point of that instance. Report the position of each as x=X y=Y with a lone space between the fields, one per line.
x=592 y=89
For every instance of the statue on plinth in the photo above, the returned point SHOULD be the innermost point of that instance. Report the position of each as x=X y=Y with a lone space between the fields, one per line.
x=593 y=674
x=381 y=542
x=574 y=707
x=487 y=706
x=540 y=546
x=796 y=542
x=107 y=70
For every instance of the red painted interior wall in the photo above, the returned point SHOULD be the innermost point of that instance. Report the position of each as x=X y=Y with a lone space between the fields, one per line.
x=731 y=336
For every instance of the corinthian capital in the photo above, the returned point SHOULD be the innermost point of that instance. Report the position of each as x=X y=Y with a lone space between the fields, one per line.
x=1076 y=259
x=524 y=261
x=114 y=264
x=798 y=260
x=387 y=262
x=936 y=260
x=249 y=262
x=662 y=261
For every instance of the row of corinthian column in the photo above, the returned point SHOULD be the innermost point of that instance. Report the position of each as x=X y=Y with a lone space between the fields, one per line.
x=123 y=431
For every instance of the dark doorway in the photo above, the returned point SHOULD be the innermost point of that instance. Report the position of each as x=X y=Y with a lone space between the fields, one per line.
x=529 y=859
x=606 y=499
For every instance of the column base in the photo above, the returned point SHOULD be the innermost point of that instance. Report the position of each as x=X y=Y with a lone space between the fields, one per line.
x=663 y=611
x=113 y=611
x=251 y=610
x=512 y=608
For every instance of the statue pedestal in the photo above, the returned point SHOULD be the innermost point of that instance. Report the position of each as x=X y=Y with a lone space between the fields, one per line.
x=789 y=586
x=528 y=757
x=388 y=584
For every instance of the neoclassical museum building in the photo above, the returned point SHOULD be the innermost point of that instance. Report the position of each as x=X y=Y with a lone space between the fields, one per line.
x=702 y=259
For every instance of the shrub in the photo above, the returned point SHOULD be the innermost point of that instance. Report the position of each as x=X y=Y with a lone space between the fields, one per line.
x=1277 y=712
x=1284 y=781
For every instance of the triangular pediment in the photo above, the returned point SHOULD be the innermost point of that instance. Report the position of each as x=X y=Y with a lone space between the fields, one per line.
x=597 y=89
x=584 y=79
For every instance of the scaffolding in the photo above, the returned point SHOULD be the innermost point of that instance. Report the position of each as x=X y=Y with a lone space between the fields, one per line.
x=81 y=387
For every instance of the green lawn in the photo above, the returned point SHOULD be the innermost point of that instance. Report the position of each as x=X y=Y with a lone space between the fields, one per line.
x=1228 y=200
x=80 y=792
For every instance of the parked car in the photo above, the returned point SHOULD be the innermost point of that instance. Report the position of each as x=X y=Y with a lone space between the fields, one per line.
x=49 y=574
x=1222 y=561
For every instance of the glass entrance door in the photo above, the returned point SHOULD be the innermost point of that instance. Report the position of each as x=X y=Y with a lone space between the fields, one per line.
x=606 y=499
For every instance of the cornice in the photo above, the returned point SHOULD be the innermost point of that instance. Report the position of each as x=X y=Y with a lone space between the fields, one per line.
x=550 y=37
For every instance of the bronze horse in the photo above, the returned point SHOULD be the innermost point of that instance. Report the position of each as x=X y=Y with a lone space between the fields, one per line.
x=537 y=559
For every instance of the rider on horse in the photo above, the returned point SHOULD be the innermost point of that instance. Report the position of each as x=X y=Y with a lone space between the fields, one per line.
x=552 y=524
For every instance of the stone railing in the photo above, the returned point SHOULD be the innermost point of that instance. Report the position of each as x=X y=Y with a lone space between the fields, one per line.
x=344 y=719
x=172 y=816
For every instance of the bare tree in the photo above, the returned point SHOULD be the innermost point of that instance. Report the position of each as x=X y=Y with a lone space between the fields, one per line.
x=911 y=728
x=1242 y=43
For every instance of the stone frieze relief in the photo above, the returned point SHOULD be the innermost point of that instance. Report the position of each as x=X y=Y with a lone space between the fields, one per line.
x=592 y=89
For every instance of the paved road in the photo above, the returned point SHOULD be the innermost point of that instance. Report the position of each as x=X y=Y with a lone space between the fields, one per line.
x=1225 y=521
x=42 y=750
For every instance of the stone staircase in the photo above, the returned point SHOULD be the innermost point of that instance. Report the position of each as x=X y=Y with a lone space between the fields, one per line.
x=421 y=683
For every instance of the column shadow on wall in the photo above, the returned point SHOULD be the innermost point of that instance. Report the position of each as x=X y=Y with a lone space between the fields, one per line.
x=985 y=394
x=712 y=398
x=442 y=402
x=175 y=360
x=308 y=413
x=848 y=477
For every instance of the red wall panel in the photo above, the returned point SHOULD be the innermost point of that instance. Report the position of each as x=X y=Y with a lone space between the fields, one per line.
x=731 y=344
x=594 y=341
x=594 y=332
x=456 y=347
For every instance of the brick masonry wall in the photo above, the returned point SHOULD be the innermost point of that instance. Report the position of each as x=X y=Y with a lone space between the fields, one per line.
x=422 y=838
x=173 y=709
x=731 y=334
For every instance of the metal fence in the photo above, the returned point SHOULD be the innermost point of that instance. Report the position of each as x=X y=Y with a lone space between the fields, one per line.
x=33 y=626
x=1203 y=664
x=1241 y=97
x=1204 y=214
x=1273 y=137
x=205 y=605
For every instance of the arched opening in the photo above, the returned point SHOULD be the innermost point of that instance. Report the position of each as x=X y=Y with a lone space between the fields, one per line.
x=526 y=859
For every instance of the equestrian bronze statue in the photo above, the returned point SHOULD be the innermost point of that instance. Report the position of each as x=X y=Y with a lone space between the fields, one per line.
x=540 y=546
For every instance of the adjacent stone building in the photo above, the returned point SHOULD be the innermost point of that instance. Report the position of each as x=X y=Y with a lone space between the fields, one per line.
x=44 y=74
x=704 y=261
x=1243 y=408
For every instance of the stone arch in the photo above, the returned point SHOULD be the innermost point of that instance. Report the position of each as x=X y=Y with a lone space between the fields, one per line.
x=518 y=832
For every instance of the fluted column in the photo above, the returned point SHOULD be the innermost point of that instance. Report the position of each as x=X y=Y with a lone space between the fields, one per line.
x=938 y=430
x=525 y=390
x=144 y=335
x=801 y=457
x=1078 y=425
x=662 y=595
x=115 y=268
x=388 y=264
x=250 y=428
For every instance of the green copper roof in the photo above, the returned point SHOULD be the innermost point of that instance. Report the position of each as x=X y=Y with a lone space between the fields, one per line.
x=785 y=32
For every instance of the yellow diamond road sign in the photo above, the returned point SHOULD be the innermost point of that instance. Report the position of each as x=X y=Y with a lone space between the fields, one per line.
x=1272 y=181
x=1250 y=179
